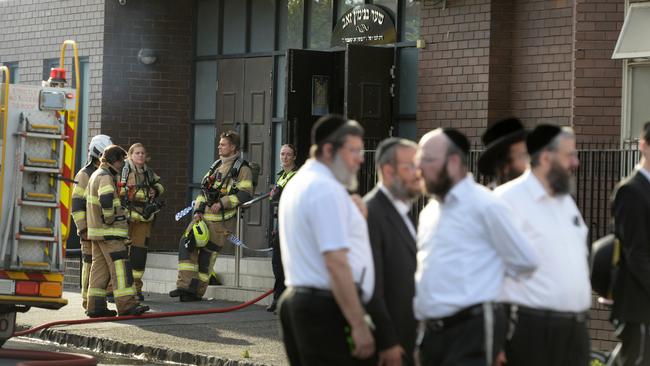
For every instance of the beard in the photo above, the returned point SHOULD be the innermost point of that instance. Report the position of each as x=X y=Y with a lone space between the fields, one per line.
x=344 y=175
x=401 y=191
x=559 y=179
x=442 y=185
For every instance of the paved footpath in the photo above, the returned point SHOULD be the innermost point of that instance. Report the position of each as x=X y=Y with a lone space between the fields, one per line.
x=249 y=336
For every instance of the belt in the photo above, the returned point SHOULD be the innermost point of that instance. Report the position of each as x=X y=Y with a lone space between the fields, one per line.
x=551 y=314
x=312 y=291
x=439 y=324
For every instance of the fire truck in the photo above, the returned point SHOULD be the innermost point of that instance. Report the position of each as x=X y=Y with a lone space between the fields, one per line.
x=38 y=125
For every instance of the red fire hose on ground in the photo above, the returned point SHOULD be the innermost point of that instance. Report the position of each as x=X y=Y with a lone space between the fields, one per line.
x=47 y=358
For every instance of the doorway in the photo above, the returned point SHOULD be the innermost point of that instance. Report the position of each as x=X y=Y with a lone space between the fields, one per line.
x=244 y=100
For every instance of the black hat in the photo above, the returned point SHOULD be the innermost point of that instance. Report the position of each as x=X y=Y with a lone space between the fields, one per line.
x=458 y=138
x=325 y=126
x=497 y=140
x=540 y=137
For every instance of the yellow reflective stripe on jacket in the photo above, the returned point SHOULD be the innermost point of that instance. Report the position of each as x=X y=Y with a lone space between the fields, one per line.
x=159 y=187
x=204 y=277
x=218 y=216
x=200 y=198
x=105 y=189
x=234 y=201
x=121 y=292
x=93 y=200
x=135 y=216
x=96 y=292
x=188 y=267
x=78 y=216
x=138 y=274
x=78 y=191
x=118 y=232
x=244 y=184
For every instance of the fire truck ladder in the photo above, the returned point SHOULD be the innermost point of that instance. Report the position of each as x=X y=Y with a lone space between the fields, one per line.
x=36 y=217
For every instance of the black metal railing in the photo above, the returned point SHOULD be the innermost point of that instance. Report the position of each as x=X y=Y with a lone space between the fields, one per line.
x=601 y=167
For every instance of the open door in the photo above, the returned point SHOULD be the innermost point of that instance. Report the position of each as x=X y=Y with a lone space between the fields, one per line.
x=314 y=88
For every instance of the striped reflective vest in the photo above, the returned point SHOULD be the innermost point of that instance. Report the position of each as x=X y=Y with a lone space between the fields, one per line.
x=104 y=213
x=78 y=206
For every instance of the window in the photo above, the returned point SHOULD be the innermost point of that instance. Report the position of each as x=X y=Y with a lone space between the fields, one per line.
x=262 y=15
x=295 y=21
x=234 y=26
x=205 y=92
x=638 y=108
x=320 y=23
x=14 y=76
x=207 y=27
x=204 y=150
x=345 y=5
x=411 y=24
x=633 y=40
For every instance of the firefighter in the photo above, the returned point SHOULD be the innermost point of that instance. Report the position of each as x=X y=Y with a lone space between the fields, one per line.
x=95 y=149
x=227 y=184
x=140 y=188
x=108 y=231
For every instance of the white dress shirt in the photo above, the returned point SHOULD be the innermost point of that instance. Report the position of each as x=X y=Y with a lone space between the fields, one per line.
x=316 y=215
x=556 y=229
x=466 y=246
x=402 y=208
x=643 y=171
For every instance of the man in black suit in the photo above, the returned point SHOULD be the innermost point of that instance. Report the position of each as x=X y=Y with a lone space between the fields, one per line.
x=392 y=237
x=631 y=210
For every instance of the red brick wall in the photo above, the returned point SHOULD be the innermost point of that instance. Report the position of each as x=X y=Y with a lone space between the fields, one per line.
x=598 y=79
x=151 y=103
x=453 y=68
x=541 y=61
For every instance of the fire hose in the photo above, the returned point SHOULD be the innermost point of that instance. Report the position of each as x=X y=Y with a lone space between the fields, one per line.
x=167 y=314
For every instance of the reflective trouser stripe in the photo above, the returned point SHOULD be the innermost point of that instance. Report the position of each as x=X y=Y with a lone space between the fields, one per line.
x=138 y=274
x=119 y=271
x=204 y=277
x=96 y=292
x=121 y=292
x=188 y=267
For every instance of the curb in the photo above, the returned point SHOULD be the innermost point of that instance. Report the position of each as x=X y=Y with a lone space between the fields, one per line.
x=103 y=345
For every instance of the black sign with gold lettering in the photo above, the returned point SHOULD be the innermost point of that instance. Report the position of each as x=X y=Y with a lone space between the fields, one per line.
x=364 y=24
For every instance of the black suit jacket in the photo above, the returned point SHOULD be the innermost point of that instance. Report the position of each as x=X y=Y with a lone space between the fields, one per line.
x=631 y=211
x=394 y=253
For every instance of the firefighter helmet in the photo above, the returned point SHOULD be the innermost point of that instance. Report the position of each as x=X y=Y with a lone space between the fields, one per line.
x=97 y=145
x=201 y=233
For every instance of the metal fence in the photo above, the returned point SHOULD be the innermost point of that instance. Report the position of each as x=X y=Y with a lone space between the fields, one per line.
x=601 y=167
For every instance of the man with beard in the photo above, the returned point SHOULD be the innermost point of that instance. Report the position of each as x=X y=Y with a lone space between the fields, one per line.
x=551 y=307
x=467 y=244
x=392 y=237
x=326 y=253
x=505 y=157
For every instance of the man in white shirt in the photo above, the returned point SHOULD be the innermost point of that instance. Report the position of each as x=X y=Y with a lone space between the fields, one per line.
x=466 y=246
x=550 y=308
x=326 y=253
x=392 y=237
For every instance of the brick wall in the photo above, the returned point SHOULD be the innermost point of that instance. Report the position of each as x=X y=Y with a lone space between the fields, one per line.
x=598 y=79
x=453 y=68
x=542 y=61
x=32 y=31
x=151 y=103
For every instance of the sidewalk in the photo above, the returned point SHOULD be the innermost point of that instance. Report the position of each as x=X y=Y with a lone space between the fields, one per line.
x=249 y=336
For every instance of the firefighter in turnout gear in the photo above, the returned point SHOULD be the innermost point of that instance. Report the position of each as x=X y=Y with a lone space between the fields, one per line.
x=140 y=188
x=78 y=207
x=108 y=230
x=228 y=183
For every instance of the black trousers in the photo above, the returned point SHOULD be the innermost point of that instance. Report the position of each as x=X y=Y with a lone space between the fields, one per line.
x=636 y=345
x=472 y=337
x=314 y=330
x=544 y=339
x=278 y=271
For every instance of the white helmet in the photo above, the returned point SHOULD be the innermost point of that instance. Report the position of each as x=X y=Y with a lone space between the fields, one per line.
x=97 y=145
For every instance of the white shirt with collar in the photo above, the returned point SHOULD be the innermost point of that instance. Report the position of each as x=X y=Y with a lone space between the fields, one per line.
x=555 y=227
x=402 y=208
x=466 y=246
x=317 y=215
x=643 y=171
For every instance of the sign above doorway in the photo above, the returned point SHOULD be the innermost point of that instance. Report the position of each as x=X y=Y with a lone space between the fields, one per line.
x=364 y=24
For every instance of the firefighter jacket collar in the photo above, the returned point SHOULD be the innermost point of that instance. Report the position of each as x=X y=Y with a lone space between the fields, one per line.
x=109 y=168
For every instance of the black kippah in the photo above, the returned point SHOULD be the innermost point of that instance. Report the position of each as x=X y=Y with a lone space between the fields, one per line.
x=540 y=137
x=458 y=138
x=325 y=126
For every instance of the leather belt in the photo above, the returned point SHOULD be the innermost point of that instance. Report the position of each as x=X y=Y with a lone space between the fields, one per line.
x=552 y=314
x=439 y=324
x=312 y=291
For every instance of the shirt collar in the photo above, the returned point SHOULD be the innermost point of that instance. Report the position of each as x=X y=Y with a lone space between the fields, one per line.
x=644 y=171
x=534 y=186
x=318 y=167
x=282 y=170
x=459 y=190
x=401 y=206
